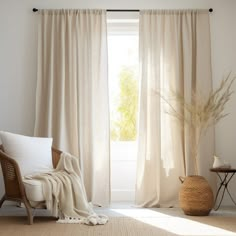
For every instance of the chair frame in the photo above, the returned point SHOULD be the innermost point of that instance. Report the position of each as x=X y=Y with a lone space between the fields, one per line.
x=14 y=187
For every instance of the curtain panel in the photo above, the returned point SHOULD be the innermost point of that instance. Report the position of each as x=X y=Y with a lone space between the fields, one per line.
x=72 y=92
x=175 y=56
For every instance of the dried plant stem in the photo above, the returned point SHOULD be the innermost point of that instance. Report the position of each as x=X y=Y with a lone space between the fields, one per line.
x=195 y=149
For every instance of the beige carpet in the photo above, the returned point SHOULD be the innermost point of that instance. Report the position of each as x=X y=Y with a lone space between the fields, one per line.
x=44 y=226
x=124 y=221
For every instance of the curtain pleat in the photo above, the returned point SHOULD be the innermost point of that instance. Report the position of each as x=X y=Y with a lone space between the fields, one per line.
x=72 y=92
x=175 y=57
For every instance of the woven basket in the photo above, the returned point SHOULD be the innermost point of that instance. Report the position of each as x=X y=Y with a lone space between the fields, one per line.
x=196 y=196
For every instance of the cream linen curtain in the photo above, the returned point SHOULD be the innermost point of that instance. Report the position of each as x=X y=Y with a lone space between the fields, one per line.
x=174 y=56
x=72 y=92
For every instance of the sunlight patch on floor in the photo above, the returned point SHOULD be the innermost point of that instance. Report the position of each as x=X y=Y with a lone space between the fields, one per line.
x=173 y=224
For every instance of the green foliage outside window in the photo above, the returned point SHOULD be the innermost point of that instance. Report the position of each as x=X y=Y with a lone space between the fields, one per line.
x=123 y=127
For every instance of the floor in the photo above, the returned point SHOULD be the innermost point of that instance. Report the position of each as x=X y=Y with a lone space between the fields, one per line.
x=119 y=209
x=221 y=222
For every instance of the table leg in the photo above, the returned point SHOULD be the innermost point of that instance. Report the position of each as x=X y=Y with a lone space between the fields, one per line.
x=228 y=190
x=224 y=183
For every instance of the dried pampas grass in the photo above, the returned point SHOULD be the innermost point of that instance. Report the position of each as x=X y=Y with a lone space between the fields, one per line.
x=200 y=112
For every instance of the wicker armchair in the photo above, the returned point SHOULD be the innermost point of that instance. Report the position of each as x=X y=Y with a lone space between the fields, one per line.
x=14 y=187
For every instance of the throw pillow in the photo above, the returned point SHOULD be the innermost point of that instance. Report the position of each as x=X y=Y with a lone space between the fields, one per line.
x=33 y=154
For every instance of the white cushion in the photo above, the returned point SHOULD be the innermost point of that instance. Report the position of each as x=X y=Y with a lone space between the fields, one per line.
x=33 y=154
x=33 y=190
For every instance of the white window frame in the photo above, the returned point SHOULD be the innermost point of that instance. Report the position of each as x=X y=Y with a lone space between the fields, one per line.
x=123 y=23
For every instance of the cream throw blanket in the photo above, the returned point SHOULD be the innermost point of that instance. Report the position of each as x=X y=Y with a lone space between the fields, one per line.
x=65 y=194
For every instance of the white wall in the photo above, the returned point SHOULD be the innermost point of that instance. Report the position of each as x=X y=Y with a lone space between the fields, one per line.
x=18 y=58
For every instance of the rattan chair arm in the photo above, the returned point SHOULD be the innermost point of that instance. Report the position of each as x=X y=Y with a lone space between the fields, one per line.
x=14 y=187
x=55 y=156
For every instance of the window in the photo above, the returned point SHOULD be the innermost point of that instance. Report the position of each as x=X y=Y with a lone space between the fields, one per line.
x=123 y=91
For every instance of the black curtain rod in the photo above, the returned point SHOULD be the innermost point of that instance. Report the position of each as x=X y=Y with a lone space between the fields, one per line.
x=119 y=10
x=124 y=10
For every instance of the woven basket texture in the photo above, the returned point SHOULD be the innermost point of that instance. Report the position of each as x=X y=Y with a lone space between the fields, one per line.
x=196 y=197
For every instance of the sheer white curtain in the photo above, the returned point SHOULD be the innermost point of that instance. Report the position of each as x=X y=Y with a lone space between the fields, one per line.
x=174 y=56
x=72 y=92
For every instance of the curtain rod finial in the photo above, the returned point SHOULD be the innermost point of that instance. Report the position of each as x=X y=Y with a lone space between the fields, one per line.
x=210 y=10
x=35 y=10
